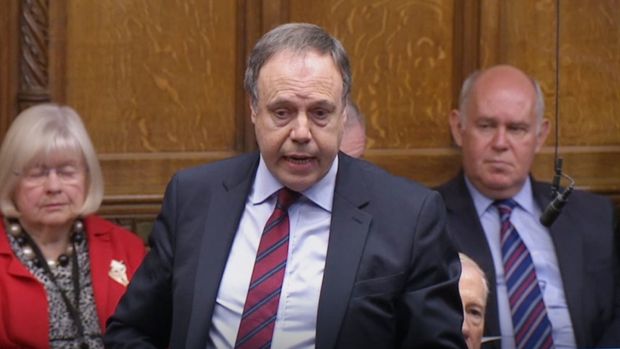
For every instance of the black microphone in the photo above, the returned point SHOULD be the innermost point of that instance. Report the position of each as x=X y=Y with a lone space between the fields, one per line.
x=555 y=185
x=555 y=206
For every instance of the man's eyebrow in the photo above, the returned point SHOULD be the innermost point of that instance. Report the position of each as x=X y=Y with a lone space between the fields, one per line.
x=278 y=102
x=324 y=104
x=485 y=118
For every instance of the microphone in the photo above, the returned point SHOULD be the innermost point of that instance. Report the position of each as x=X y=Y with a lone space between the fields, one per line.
x=555 y=185
x=553 y=210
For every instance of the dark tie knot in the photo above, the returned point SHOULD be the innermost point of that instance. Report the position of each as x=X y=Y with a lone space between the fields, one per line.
x=286 y=197
x=505 y=206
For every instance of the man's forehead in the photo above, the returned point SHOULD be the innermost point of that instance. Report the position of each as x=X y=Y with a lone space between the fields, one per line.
x=289 y=74
x=499 y=103
x=288 y=61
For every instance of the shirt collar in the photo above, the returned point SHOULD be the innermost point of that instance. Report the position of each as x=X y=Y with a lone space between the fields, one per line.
x=321 y=193
x=524 y=198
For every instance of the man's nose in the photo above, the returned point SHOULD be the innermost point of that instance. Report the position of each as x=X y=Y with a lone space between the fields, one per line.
x=301 y=129
x=500 y=139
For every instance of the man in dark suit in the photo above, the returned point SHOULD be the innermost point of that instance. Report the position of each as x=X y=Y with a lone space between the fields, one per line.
x=366 y=263
x=500 y=127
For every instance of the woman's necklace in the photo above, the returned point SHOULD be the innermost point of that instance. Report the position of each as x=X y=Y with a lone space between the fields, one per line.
x=32 y=252
x=28 y=246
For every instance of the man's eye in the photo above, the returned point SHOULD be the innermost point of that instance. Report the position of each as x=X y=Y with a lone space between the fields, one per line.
x=320 y=113
x=281 y=113
x=517 y=129
x=475 y=312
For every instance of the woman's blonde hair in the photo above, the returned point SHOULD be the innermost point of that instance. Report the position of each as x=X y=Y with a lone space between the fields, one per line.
x=37 y=132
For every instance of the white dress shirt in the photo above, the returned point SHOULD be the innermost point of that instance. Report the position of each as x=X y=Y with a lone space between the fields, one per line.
x=309 y=219
x=537 y=239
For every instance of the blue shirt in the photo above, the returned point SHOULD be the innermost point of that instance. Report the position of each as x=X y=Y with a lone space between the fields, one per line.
x=537 y=239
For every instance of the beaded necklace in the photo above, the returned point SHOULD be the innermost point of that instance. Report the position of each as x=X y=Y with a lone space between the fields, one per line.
x=33 y=253
x=29 y=247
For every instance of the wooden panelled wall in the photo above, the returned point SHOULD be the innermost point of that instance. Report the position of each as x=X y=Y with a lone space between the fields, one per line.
x=159 y=82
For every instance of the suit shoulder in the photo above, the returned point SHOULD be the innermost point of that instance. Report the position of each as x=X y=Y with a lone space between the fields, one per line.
x=450 y=187
x=389 y=184
x=238 y=166
x=582 y=205
x=592 y=206
x=580 y=197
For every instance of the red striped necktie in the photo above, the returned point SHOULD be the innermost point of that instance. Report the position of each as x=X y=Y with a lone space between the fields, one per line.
x=261 y=304
x=532 y=328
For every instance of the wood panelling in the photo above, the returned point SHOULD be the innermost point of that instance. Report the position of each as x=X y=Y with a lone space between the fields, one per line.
x=467 y=31
x=590 y=86
x=402 y=60
x=155 y=79
x=159 y=82
x=161 y=71
x=524 y=33
x=34 y=25
x=147 y=174
x=9 y=37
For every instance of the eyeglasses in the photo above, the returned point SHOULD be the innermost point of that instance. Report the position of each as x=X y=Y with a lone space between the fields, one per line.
x=39 y=174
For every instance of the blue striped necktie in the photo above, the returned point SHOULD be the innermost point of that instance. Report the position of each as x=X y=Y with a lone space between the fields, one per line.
x=261 y=304
x=532 y=328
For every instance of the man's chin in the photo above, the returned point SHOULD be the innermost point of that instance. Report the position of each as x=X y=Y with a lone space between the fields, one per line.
x=499 y=188
x=297 y=182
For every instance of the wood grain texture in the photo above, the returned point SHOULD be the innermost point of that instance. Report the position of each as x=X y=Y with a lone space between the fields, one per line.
x=9 y=76
x=523 y=33
x=401 y=56
x=34 y=53
x=152 y=80
x=590 y=73
x=466 y=57
x=154 y=76
x=148 y=174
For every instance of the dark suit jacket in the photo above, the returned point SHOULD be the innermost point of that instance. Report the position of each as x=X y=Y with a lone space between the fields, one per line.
x=583 y=236
x=391 y=272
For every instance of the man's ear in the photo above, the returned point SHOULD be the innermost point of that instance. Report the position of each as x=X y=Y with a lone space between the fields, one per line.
x=456 y=127
x=252 y=111
x=543 y=132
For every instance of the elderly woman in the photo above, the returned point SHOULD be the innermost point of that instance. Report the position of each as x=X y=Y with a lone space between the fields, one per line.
x=62 y=269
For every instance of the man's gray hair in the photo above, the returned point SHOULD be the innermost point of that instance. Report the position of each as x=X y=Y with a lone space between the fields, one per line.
x=298 y=38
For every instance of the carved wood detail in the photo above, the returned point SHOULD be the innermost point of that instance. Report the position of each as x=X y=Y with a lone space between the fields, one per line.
x=34 y=59
x=466 y=43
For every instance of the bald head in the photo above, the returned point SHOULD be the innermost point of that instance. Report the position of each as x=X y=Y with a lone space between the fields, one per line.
x=502 y=78
x=500 y=127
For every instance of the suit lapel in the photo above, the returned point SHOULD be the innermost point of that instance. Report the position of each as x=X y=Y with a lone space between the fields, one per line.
x=348 y=230
x=465 y=228
x=568 y=244
x=223 y=217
